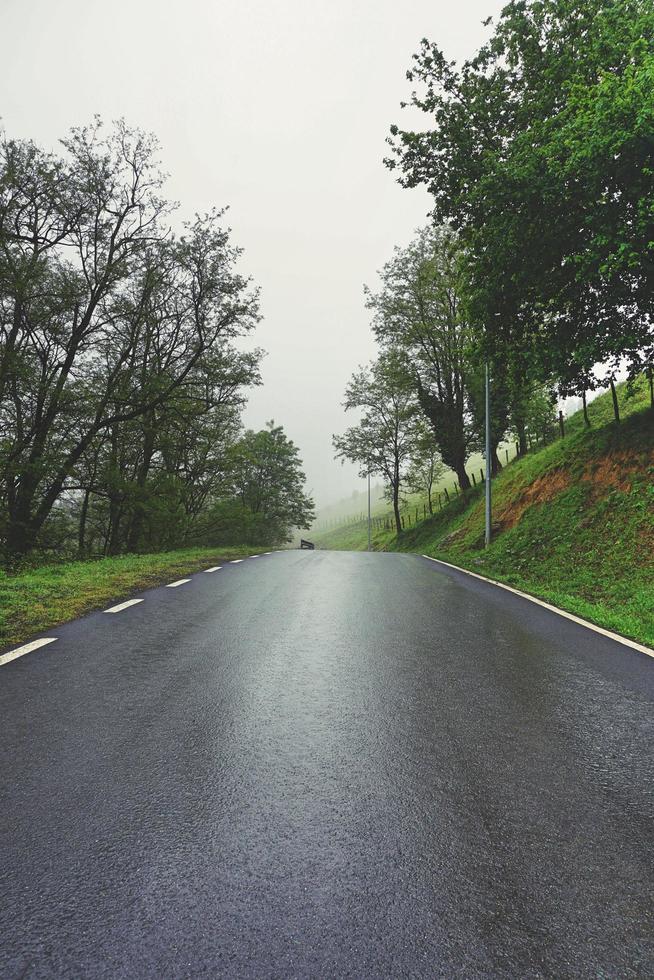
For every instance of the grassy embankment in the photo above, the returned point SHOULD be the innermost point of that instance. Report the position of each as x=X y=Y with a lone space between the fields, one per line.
x=40 y=598
x=573 y=521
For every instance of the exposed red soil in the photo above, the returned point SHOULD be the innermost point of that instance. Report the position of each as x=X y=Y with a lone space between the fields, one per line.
x=613 y=472
x=542 y=490
x=617 y=471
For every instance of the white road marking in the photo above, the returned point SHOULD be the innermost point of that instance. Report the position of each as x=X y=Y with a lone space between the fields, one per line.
x=235 y=561
x=123 y=605
x=182 y=581
x=547 y=605
x=216 y=568
x=27 y=648
x=254 y=556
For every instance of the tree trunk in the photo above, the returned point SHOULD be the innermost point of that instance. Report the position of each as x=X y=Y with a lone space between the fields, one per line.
x=496 y=462
x=650 y=378
x=115 y=517
x=396 y=509
x=138 y=516
x=521 y=433
x=585 y=405
x=429 y=501
x=112 y=546
x=614 y=396
x=22 y=529
x=81 y=542
x=463 y=478
x=21 y=539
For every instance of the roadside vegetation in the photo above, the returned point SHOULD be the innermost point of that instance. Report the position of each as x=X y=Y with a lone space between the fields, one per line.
x=535 y=271
x=573 y=521
x=123 y=365
x=38 y=599
x=123 y=368
x=124 y=371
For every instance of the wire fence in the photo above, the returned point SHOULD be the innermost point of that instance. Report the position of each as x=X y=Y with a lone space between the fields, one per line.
x=412 y=514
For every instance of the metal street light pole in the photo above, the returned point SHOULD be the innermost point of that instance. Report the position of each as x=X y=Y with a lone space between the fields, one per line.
x=488 y=461
x=369 y=547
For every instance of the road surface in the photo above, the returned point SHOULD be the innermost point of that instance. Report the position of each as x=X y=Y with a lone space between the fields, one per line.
x=314 y=764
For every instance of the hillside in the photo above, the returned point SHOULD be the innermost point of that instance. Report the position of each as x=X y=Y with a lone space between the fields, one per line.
x=573 y=521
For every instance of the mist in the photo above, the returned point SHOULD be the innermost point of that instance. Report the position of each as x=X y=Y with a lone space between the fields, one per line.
x=279 y=111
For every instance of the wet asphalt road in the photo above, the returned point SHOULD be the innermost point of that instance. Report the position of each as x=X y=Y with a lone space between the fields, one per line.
x=327 y=765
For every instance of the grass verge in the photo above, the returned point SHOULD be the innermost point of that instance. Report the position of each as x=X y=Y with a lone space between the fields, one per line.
x=41 y=598
x=573 y=522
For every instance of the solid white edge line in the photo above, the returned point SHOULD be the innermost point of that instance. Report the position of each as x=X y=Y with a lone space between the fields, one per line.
x=216 y=568
x=181 y=581
x=547 y=605
x=26 y=648
x=123 y=605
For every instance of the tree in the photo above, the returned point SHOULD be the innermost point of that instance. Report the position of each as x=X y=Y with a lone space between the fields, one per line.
x=539 y=153
x=417 y=314
x=267 y=497
x=426 y=466
x=105 y=317
x=384 y=440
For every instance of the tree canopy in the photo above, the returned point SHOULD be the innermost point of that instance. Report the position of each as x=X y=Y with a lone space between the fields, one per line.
x=122 y=372
x=539 y=151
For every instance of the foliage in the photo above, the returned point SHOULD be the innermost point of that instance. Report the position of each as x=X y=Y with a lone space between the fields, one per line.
x=417 y=317
x=37 y=599
x=539 y=152
x=384 y=440
x=426 y=467
x=574 y=520
x=267 y=498
x=122 y=373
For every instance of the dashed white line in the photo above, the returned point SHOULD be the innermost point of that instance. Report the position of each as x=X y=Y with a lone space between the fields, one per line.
x=216 y=568
x=123 y=605
x=182 y=581
x=254 y=556
x=27 y=648
x=548 y=605
x=235 y=561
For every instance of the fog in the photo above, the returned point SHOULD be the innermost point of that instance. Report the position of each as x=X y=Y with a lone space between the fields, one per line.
x=279 y=110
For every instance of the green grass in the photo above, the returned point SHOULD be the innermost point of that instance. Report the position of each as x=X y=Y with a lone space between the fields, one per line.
x=574 y=521
x=37 y=600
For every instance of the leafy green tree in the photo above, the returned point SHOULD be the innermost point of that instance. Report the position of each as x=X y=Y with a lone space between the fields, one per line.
x=267 y=499
x=384 y=440
x=426 y=467
x=539 y=152
x=417 y=314
x=105 y=317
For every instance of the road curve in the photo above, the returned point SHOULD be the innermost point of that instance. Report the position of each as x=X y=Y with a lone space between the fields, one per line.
x=327 y=765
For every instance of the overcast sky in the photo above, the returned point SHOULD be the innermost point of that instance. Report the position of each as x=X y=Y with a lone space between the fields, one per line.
x=278 y=109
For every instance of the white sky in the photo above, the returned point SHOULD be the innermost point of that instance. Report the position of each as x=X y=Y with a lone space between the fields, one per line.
x=279 y=110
